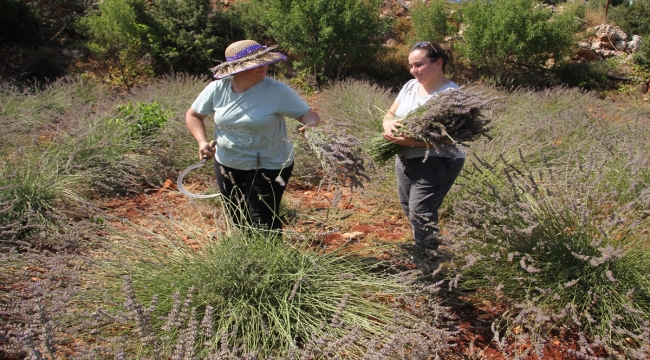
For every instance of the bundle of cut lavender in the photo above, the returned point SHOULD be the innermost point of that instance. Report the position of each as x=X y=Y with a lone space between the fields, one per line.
x=341 y=156
x=456 y=115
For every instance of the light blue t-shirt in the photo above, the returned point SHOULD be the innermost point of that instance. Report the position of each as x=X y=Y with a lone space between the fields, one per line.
x=409 y=99
x=251 y=132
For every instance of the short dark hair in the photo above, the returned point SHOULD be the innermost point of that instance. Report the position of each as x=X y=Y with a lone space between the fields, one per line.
x=434 y=52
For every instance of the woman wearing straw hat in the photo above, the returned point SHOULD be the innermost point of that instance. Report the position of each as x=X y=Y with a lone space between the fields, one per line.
x=254 y=157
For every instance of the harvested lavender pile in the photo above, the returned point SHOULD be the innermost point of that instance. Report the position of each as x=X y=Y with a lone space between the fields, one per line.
x=341 y=156
x=456 y=115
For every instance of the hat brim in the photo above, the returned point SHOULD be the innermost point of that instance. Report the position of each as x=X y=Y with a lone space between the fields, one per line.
x=250 y=62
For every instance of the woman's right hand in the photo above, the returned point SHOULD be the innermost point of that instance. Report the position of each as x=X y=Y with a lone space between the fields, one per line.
x=390 y=124
x=391 y=127
x=206 y=149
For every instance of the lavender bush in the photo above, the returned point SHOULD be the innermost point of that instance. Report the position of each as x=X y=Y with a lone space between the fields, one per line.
x=66 y=148
x=551 y=214
x=46 y=279
x=29 y=112
x=59 y=155
x=417 y=331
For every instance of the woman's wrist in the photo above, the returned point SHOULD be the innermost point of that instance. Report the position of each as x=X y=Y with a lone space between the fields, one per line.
x=201 y=140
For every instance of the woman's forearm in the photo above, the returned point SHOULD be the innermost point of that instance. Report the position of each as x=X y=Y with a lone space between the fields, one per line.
x=196 y=124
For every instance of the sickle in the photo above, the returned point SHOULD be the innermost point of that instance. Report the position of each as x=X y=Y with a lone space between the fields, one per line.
x=179 y=182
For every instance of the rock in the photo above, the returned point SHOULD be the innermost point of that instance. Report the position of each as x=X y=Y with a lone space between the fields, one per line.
x=619 y=45
x=609 y=33
x=595 y=45
x=634 y=45
x=75 y=54
x=588 y=54
x=352 y=236
x=391 y=42
x=607 y=53
x=584 y=44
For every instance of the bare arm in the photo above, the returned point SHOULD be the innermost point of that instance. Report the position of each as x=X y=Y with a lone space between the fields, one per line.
x=310 y=119
x=391 y=126
x=391 y=129
x=196 y=124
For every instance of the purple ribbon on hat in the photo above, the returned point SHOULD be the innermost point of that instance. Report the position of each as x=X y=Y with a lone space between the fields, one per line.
x=247 y=51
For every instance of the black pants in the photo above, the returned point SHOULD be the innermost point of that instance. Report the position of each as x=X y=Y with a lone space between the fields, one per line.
x=253 y=196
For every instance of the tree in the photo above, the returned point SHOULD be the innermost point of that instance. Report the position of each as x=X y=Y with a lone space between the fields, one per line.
x=116 y=35
x=326 y=36
x=633 y=17
x=17 y=21
x=188 y=35
x=430 y=20
x=501 y=36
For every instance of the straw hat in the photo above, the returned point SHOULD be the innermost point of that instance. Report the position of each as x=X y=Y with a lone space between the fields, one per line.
x=244 y=55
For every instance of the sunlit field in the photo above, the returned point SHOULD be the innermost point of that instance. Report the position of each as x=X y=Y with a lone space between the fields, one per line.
x=103 y=258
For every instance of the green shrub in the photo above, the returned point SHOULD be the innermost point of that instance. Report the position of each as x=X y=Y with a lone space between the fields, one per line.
x=587 y=75
x=642 y=58
x=142 y=119
x=188 y=36
x=389 y=67
x=430 y=21
x=117 y=36
x=505 y=36
x=325 y=36
x=18 y=22
x=632 y=16
x=251 y=15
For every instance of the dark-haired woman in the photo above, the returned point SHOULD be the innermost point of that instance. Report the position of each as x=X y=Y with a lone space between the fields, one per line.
x=422 y=184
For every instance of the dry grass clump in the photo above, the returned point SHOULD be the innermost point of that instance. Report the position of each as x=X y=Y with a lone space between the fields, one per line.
x=354 y=106
x=253 y=295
